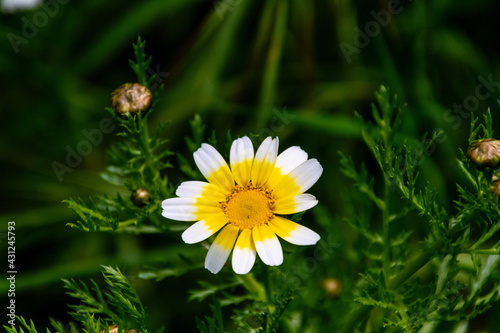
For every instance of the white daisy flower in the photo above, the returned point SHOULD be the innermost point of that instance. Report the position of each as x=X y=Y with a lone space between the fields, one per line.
x=245 y=201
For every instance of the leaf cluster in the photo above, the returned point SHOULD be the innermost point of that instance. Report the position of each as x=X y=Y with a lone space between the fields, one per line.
x=137 y=160
x=462 y=248
x=100 y=308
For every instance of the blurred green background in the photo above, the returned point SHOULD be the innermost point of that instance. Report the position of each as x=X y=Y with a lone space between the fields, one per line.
x=272 y=67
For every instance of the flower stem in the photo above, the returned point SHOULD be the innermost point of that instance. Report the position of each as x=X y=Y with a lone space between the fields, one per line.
x=253 y=286
x=259 y=292
x=414 y=266
x=493 y=251
x=386 y=251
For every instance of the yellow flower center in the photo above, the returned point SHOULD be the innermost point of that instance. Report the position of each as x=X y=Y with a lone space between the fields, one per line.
x=249 y=206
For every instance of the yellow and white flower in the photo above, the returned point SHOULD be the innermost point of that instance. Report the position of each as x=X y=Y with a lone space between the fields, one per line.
x=245 y=201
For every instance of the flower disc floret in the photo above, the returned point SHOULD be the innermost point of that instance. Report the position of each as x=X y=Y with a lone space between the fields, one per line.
x=247 y=207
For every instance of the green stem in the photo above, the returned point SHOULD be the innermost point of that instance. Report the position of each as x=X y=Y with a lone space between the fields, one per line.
x=389 y=156
x=144 y=143
x=493 y=251
x=144 y=139
x=414 y=266
x=259 y=291
x=122 y=224
x=253 y=286
x=386 y=237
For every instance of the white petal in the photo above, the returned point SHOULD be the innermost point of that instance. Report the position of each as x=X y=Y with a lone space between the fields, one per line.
x=302 y=236
x=270 y=251
x=201 y=230
x=241 y=150
x=180 y=209
x=264 y=162
x=241 y=158
x=290 y=159
x=216 y=258
x=191 y=189
x=268 y=150
x=213 y=167
x=209 y=193
x=220 y=249
x=293 y=232
x=244 y=253
x=305 y=175
x=305 y=201
x=295 y=204
x=208 y=159
x=268 y=246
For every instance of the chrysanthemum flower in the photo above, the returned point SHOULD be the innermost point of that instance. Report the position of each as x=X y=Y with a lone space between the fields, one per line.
x=246 y=201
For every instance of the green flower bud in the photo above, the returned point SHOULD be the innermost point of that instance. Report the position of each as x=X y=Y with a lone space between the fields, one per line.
x=131 y=98
x=140 y=197
x=484 y=153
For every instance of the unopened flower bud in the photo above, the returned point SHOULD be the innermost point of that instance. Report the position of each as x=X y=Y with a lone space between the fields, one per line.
x=332 y=287
x=111 y=329
x=114 y=329
x=140 y=197
x=130 y=99
x=484 y=153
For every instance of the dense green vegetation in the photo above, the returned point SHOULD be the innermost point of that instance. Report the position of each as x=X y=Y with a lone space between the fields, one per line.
x=386 y=95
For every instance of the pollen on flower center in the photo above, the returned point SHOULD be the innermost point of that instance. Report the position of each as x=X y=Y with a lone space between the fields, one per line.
x=249 y=206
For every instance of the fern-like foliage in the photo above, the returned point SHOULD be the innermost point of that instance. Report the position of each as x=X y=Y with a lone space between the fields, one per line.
x=137 y=160
x=118 y=304
x=213 y=324
x=464 y=244
x=99 y=308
